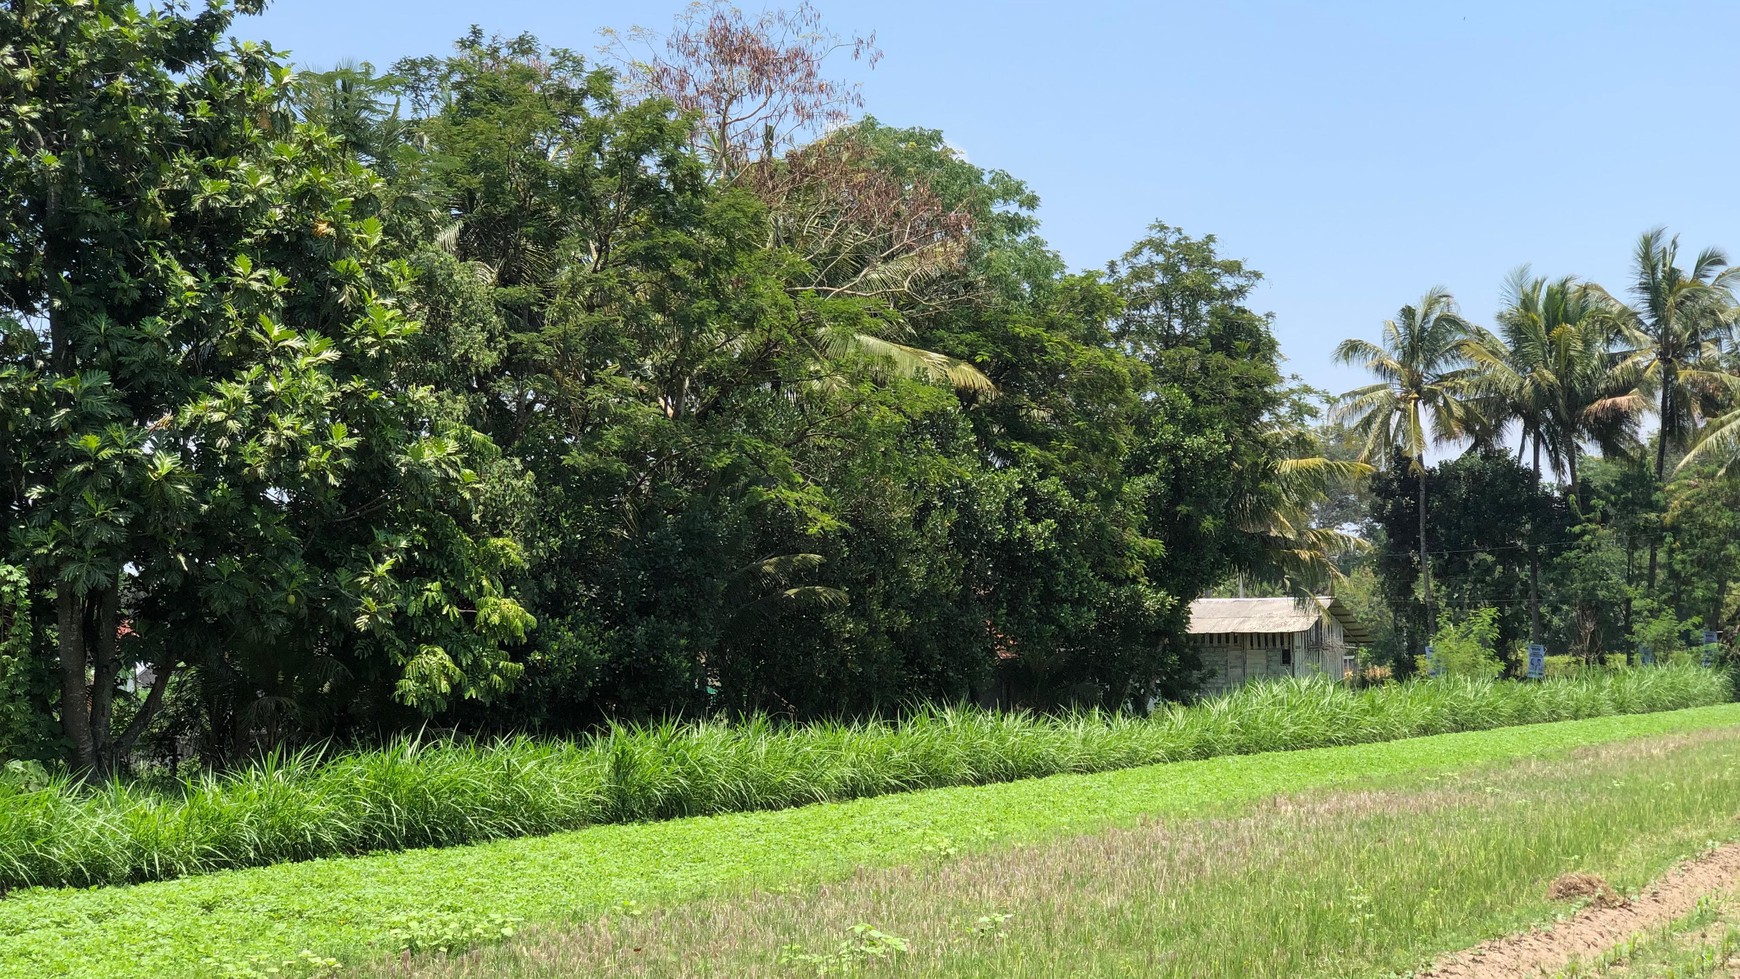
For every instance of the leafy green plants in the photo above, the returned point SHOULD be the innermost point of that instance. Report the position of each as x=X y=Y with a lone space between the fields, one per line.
x=864 y=944
x=303 y=806
x=1464 y=645
x=304 y=965
x=343 y=908
x=446 y=934
x=1379 y=880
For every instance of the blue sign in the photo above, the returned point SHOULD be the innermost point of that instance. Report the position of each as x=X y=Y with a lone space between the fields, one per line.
x=1537 y=661
x=1710 y=641
x=1432 y=660
x=1646 y=655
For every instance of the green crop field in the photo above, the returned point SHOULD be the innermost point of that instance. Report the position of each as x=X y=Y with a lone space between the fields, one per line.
x=355 y=910
x=1352 y=882
x=443 y=794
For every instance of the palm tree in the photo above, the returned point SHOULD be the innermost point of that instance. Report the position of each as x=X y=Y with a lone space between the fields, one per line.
x=1720 y=438
x=1293 y=552
x=1552 y=369
x=1552 y=372
x=1297 y=549
x=1674 y=333
x=1421 y=399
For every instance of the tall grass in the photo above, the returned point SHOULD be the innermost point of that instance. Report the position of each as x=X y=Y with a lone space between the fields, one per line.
x=299 y=806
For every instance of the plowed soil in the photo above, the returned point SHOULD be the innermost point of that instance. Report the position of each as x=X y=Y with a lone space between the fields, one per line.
x=1597 y=927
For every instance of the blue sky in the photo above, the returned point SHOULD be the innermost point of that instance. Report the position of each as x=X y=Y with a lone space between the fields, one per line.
x=1355 y=153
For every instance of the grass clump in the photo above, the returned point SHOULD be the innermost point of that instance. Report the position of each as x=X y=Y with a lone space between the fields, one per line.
x=301 y=806
x=355 y=910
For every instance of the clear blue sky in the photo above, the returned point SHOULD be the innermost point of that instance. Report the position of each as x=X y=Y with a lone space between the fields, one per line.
x=1356 y=154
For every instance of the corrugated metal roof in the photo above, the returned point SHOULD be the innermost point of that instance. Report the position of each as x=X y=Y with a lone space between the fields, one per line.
x=1256 y=615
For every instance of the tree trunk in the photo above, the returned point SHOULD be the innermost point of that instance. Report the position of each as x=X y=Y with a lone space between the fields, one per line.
x=1661 y=441
x=75 y=716
x=123 y=745
x=1714 y=622
x=1574 y=493
x=105 y=624
x=1630 y=583
x=1425 y=561
x=1534 y=595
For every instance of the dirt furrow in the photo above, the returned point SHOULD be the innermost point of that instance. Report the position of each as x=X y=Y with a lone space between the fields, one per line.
x=1604 y=923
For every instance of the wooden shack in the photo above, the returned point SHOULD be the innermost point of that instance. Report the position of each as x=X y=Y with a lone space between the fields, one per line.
x=1244 y=639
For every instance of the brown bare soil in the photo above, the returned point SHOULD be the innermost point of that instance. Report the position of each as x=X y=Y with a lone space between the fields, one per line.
x=1569 y=887
x=1604 y=923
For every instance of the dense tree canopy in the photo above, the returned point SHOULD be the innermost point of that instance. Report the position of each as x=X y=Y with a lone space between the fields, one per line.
x=514 y=388
x=507 y=387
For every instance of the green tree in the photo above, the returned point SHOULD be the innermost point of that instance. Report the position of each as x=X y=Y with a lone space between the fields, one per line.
x=202 y=343
x=1466 y=645
x=1553 y=370
x=1421 y=397
x=1702 y=520
x=1674 y=333
x=1490 y=518
x=1304 y=537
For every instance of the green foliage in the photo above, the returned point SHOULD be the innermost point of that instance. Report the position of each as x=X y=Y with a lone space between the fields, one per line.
x=864 y=945
x=24 y=775
x=1492 y=523
x=341 y=906
x=304 y=806
x=26 y=684
x=1444 y=857
x=445 y=934
x=221 y=467
x=305 y=965
x=1670 y=640
x=472 y=392
x=1702 y=524
x=1559 y=667
x=1466 y=645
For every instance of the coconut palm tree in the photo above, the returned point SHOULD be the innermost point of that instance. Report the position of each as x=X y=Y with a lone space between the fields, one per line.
x=1423 y=395
x=1674 y=333
x=1719 y=439
x=1294 y=553
x=1297 y=550
x=1553 y=370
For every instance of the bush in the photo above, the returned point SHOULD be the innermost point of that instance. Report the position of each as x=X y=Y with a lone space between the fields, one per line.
x=1466 y=648
x=26 y=729
x=1561 y=667
x=299 y=806
x=1665 y=634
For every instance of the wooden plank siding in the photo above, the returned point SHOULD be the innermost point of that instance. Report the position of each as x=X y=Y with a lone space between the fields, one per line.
x=1234 y=659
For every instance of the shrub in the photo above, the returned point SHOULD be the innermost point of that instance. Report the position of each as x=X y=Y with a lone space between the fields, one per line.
x=26 y=683
x=1665 y=634
x=1465 y=647
x=298 y=806
x=1560 y=667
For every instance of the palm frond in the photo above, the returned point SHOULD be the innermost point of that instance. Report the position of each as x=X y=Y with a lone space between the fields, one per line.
x=916 y=362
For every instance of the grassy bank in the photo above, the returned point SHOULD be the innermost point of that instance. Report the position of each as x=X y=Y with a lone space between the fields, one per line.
x=360 y=908
x=1342 y=884
x=445 y=794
